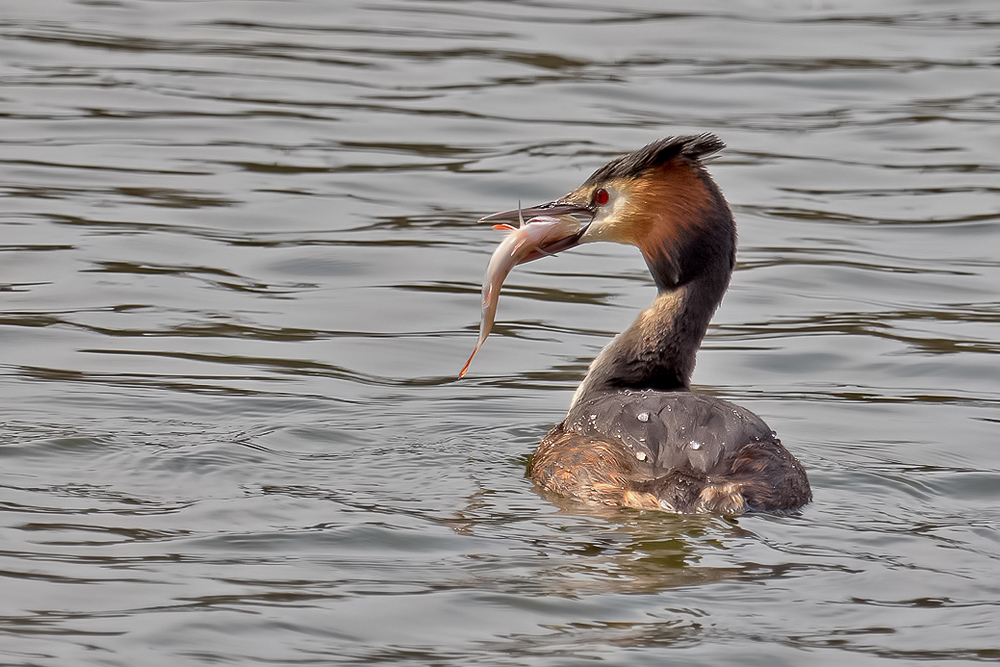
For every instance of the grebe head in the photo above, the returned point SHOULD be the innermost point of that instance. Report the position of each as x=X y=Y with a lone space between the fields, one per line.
x=660 y=199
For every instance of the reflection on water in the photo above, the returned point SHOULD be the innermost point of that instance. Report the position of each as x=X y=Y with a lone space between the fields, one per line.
x=239 y=272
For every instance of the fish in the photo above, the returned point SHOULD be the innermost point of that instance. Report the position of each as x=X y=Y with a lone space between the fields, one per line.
x=524 y=243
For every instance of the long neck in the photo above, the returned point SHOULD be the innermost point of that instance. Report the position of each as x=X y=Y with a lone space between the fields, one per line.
x=658 y=350
x=691 y=269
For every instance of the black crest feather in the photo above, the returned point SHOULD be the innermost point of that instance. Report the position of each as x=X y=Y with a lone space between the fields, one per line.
x=697 y=148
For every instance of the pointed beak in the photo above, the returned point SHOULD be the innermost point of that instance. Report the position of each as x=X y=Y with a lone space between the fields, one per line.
x=551 y=209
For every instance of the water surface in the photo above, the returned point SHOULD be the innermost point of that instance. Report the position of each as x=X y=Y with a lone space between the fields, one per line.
x=239 y=272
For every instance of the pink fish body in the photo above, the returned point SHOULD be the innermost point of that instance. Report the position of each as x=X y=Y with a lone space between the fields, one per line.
x=522 y=241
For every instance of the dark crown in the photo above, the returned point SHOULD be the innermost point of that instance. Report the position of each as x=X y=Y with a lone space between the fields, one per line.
x=696 y=148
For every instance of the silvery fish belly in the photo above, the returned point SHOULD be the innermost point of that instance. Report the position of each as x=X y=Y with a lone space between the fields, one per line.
x=522 y=241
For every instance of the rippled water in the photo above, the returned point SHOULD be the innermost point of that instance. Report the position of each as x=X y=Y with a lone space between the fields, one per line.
x=239 y=271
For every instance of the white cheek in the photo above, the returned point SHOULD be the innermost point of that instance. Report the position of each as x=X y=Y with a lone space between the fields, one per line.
x=602 y=226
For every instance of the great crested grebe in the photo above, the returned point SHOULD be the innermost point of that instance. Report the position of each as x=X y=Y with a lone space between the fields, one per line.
x=635 y=434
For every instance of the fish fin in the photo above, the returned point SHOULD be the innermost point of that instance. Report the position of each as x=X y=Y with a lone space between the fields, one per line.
x=468 y=363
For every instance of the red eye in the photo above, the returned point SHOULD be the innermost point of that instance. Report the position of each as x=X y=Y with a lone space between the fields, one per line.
x=601 y=197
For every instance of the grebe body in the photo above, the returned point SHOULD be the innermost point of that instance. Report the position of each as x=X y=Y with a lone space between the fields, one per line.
x=635 y=434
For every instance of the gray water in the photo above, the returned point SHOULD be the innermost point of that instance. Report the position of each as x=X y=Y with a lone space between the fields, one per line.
x=239 y=273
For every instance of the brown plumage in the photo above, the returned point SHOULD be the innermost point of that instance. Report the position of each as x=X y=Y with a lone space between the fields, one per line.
x=677 y=451
x=635 y=435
